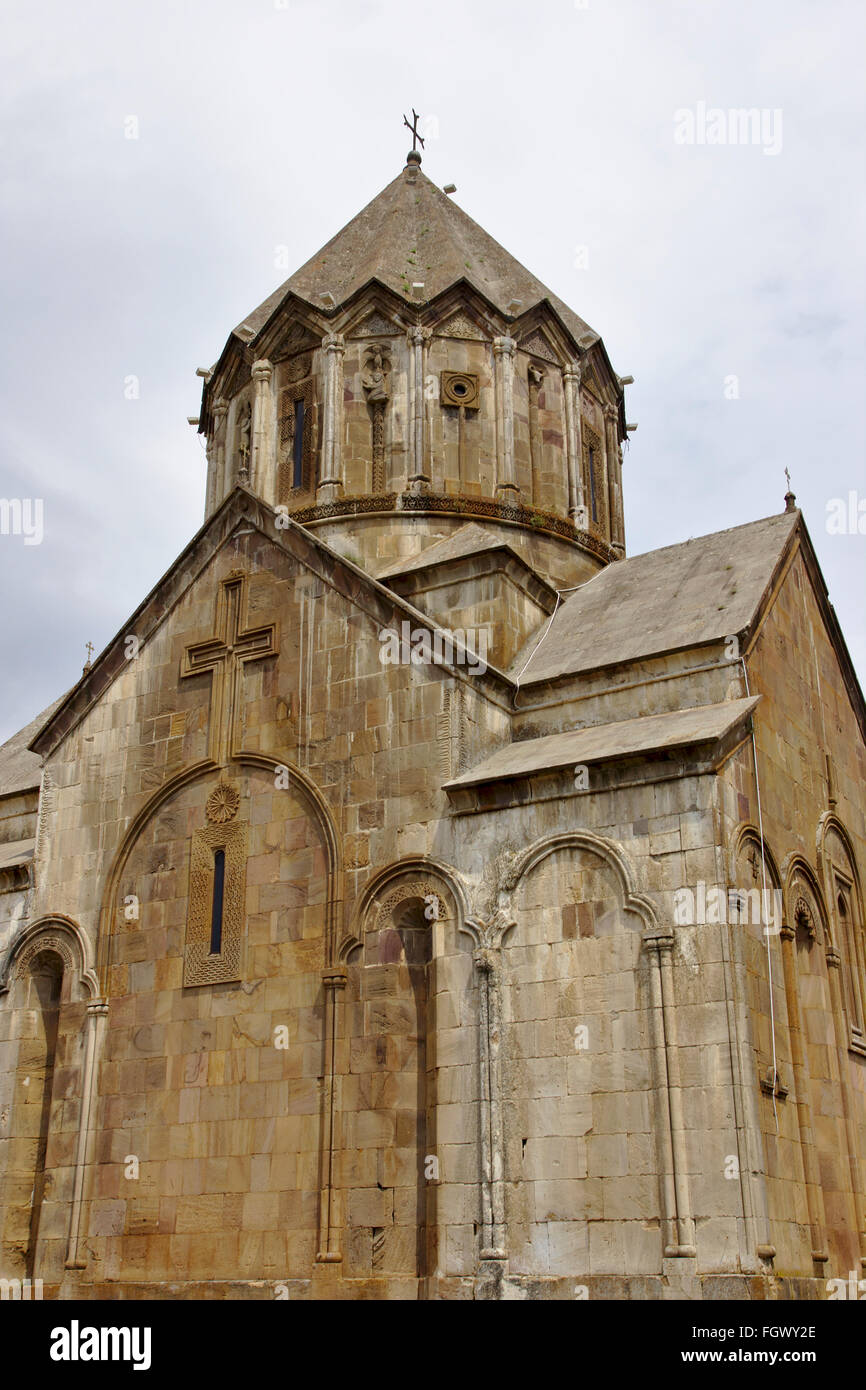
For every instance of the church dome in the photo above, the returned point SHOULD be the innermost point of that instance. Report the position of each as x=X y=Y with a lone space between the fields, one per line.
x=413 y=377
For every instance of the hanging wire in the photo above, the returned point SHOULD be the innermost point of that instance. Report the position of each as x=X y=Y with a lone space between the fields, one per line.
x=559 y=593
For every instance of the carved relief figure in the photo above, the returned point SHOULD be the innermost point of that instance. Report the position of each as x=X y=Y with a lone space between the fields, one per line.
x=375 y=379
x=245 y=425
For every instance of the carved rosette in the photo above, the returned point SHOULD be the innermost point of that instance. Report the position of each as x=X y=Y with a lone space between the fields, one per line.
x=222 y=804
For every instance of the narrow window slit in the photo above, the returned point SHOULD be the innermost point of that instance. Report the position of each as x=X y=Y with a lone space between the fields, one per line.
x=216 y=919
x=298 y=446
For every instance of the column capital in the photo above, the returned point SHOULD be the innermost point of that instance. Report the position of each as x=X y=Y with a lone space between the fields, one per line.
x=833 y=957
x=262 y=370
x=504 y=346
x=485 y=959
x=658 y=939
x=334 y=342
x=334 y=977
x=610 y=413
x=220 y=409
x=571 y=372
x=417 y=335
x=489 y=933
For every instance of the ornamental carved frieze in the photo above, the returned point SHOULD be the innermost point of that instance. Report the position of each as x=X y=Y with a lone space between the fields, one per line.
x=414 y=888
x=805 y=917
x=539 y=346
x=51 y=941
x=459 y=326
x=375 y=326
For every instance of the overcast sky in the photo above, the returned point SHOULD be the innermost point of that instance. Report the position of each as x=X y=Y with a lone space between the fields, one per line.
x=727 y=279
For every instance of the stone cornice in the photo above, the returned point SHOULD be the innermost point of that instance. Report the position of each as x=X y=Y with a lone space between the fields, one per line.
x=533 y=518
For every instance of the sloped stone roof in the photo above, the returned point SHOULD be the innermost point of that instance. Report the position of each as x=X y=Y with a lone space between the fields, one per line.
x=684 y=595
x=17 y=853
x=646 y=734
x=465 y=541
x=413 y=232
x=21 y=770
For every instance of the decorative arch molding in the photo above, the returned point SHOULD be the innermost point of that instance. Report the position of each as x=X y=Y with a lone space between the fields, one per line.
x=61 y=935
x=402 y=904
x=744 y=832
x=828 y=822
x=848 y=1038
x=796 y=870
x=847 y=941
x=607 y=850
x=406 y=879
x=308 y=792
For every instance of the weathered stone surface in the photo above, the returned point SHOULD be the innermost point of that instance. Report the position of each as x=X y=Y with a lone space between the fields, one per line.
x=363 y=995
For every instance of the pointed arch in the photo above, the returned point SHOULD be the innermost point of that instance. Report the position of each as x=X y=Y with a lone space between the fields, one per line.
x=743 y=832
x=793 y=867
x=392 y=956
x=298 y=780
x=844 y=896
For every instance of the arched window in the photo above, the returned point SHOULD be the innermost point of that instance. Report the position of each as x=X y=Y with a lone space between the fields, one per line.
x=847 y=935
x=295 y=462
x=847 y=926
x=28 y=1132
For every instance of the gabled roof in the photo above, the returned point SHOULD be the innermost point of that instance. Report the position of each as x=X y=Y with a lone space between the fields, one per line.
x=466 y=540
x=413 y=232
x=648 y=733
x=462 y=544
x=685 y=595
x=240 y=509
x=21 y=770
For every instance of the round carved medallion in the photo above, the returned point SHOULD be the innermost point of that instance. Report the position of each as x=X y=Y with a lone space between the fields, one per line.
x=222 y=804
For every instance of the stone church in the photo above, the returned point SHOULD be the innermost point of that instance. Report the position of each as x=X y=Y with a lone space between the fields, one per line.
x=419 y=897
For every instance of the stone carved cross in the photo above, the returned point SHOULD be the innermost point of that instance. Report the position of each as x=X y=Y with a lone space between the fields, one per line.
x=225 y=655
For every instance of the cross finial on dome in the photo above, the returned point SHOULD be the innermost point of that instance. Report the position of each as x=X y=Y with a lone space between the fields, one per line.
x=413 y=157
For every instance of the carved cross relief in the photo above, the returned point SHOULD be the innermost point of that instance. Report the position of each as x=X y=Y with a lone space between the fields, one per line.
x=225 y=655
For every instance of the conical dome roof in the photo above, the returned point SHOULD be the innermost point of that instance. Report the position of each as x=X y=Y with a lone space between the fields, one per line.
x=413 y=232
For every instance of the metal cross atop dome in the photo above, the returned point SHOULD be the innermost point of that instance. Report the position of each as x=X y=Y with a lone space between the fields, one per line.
x=416 y=138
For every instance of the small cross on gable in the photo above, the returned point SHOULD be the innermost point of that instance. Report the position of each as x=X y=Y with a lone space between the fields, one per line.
x=225 y=655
